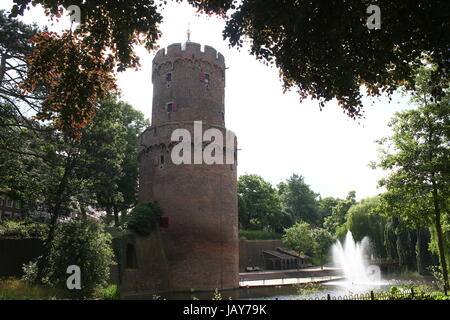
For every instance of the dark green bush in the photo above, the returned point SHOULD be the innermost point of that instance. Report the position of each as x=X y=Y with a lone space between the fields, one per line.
x=144 y=218
x=258 y=235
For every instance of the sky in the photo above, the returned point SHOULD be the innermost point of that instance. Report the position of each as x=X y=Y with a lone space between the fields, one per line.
x=277 y=135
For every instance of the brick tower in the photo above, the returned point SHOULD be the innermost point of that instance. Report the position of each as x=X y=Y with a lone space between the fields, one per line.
x=199 y=201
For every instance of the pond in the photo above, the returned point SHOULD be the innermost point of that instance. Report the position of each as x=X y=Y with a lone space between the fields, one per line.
x=286 y=292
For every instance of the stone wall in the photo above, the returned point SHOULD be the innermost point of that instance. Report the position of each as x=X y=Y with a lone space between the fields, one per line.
x=250 y=252
x=148 y=270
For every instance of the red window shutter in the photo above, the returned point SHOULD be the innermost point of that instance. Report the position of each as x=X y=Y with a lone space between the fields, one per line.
x=165 y=222
x=164 y=78
x=202 y=77
x=174 y=106
x=155 y=161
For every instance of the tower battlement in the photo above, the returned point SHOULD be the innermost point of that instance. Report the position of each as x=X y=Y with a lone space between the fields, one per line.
x=189 y=50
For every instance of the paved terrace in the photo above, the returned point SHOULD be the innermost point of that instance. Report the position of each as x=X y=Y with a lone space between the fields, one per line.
x=288 y=277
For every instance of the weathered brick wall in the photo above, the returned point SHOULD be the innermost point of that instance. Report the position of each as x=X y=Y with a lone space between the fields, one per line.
x=150 y=274
x=200 y=201
x=195 y=100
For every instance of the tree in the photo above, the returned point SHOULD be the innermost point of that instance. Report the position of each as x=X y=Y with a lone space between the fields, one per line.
x=85 y=244
x=54 y=66
x=418 y=185
x=144 y=218
x=338 y=217
x=364 y=220
x=299 y=201
x=259 y=204
x=135 y=123
x=326 y=206
x=322 y=48
x=299 y=237
x=323 y=240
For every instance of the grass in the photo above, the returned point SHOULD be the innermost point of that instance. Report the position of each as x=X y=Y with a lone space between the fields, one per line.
x=14 y=289
x=111 y=292
x=258 y=235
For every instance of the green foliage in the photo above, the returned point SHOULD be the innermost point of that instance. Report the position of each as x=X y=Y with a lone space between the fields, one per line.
x=326 y=206
x=258 y=235
x=13 y=289
x=83 y=243
x=144 y=218
x=217 y=295
x=308 y=288
x=316 y=243
x=436 y=272
x=414 y=293
x=22 y=229
x=259 y=204
x=299 y=201
x=111 y=292
x=417 y=153
x=30 y=271
x=363 y=220
x=338 y=215
x=324 y=49
x=299 y=237
x=323 y=241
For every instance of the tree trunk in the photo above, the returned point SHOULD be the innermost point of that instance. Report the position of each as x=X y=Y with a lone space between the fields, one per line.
x=440 y=236
x=55 y=213
x=2 y=66
x=116 y=215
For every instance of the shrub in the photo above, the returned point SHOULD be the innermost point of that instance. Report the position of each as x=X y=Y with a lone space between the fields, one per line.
x=258 y=235
x=14 y=289
x=21 y=229
x=144 y=218
x=85 y=244
x=111 y=292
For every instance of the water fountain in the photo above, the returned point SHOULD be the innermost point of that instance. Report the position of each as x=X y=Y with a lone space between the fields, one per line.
x=350 y=257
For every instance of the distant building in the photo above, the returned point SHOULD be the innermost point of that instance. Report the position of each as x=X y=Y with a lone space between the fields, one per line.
x=9 y=208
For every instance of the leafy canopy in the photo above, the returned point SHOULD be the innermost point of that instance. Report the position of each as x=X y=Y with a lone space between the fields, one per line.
x=322 y=48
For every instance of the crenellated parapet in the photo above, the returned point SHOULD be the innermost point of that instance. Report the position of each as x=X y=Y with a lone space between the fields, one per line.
x=189 y=51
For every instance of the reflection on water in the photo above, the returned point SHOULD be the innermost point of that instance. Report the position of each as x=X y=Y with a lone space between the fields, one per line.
x=333 y=288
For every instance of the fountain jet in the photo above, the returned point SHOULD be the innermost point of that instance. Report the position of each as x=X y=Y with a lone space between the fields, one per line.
x=350 y=257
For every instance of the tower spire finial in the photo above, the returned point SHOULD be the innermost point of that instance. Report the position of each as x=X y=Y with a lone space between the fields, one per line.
x=189 y=32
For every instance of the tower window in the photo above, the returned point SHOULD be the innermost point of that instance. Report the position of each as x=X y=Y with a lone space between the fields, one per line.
x=168 y=79
x=206 y=80
x=204 y=77
x=171 y=107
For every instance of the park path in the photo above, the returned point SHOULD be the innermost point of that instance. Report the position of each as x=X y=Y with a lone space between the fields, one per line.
x=286 y=281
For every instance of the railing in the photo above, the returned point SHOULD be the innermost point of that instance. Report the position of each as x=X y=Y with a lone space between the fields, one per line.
x=386 y=295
